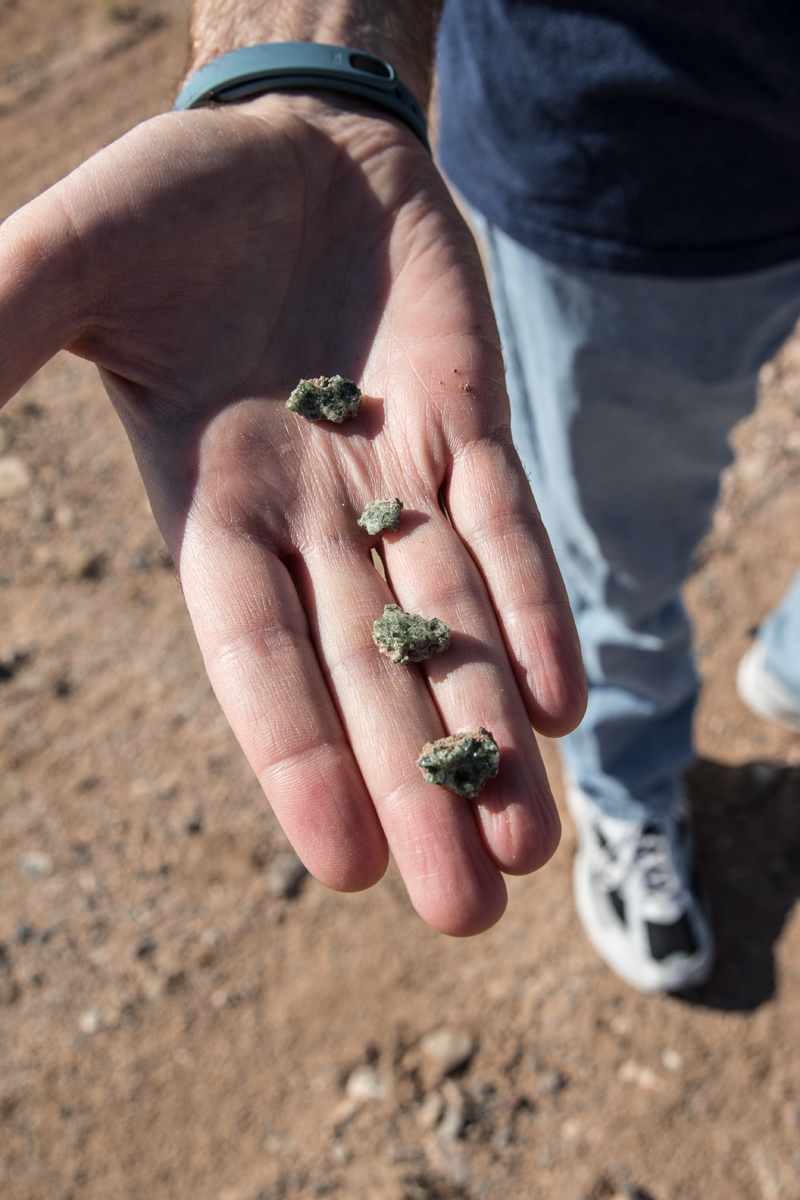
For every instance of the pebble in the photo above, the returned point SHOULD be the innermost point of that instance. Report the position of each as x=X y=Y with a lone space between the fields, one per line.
x=452 y=1122
x=550 y=1083
x=85 y=564
x=285 y=875
x=65 y=518
x=35 y=864
x=13 y=657
x=571 y=1130
x=446 y=1157
x=643 y=1077
x=430 y=1111
x=340 y=1152
x=672 y=1060
x=448 y=1049
x=89 y=1021
x=14 y=476
x=152 y=987
x=40 y=510
x=365 y=1083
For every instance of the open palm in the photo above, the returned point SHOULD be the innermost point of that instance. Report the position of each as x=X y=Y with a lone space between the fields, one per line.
x=207 y=262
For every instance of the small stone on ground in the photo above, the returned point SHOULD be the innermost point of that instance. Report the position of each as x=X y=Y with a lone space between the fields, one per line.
x=285 y=875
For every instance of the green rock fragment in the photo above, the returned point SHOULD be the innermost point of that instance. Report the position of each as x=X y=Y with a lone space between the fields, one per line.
x=406 y=638
x=462 y=762
x=325 y=399
x=380 y=515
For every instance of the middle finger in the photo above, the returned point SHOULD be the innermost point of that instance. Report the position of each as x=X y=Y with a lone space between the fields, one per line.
x=473 y=684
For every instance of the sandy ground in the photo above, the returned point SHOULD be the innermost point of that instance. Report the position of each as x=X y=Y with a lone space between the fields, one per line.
x=179 y=1016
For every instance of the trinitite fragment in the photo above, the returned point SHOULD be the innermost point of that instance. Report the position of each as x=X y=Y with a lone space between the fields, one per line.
x=406 y=638
x=380 y=515
x=325 y=399
x=462 y=762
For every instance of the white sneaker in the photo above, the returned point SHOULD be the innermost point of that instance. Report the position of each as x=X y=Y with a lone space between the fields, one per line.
x=763 y=693
x=637 y=898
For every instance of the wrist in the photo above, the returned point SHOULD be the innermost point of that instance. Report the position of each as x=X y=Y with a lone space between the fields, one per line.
x=288 y=66
x=362 y=131
x=401 y=31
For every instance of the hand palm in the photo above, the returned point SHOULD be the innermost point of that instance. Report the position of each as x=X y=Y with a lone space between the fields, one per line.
x=222 y=257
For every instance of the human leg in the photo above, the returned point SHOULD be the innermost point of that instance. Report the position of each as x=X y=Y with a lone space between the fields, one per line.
x=623 y=390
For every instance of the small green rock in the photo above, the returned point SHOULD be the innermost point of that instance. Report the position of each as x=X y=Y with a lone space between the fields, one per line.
x=406 y=638
x=325 y=399
x=462 y=762
x=380 y=515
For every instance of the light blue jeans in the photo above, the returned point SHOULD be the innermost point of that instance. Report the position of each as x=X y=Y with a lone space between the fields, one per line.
x=623 y=390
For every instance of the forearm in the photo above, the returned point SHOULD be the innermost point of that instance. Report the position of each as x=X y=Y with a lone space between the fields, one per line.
x=401 y=31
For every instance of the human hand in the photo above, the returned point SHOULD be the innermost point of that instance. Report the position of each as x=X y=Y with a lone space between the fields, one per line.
x=206 y=262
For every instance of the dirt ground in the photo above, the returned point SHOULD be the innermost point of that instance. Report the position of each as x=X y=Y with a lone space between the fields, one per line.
x=180 y=1015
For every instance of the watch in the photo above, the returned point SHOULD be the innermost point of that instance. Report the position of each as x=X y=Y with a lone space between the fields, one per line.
x=254 y=70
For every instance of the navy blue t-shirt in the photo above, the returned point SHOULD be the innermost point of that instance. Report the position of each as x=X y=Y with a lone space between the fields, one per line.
x=658 y=136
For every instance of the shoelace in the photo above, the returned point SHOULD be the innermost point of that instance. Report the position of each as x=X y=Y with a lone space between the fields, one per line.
x=645 y=848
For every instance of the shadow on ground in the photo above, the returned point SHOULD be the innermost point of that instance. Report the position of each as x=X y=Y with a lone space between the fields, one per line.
x=747 y=824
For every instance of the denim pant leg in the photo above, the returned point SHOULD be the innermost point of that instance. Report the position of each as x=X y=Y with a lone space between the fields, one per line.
x=623 y=389
x=780 y=634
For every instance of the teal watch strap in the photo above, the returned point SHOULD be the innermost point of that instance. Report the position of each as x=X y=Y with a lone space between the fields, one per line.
x=254 y=70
